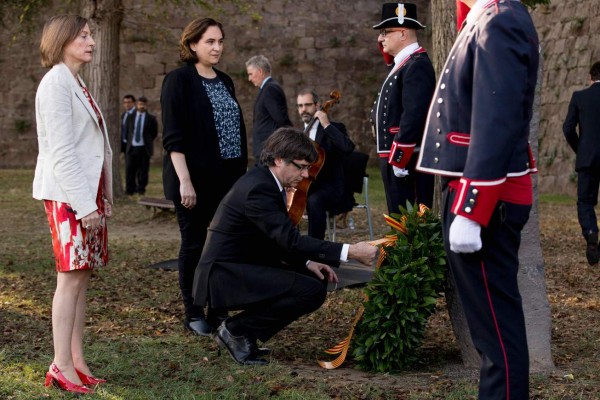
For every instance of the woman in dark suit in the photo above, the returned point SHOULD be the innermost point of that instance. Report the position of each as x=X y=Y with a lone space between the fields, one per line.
x=205 y=149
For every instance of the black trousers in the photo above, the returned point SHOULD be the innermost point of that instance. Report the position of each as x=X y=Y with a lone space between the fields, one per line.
x=263 y=320
x=588 y=180
x=137 y=165
x=416 y=188
x=193 y=225
x=487 y=286
x=321 y=199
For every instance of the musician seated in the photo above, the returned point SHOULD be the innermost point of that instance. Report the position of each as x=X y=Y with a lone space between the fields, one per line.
x=255 y=259
x=328 y=188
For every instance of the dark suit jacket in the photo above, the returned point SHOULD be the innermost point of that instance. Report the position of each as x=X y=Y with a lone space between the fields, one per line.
x=189 y=128
x=337 y=145
x=124 y=123
x=149 y=132
x=253 y=252
x=270 y=113
x=400 y=110
x=478 y=124
x=584 y=111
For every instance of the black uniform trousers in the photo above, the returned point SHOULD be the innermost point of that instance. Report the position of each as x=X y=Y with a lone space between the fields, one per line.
x=417 y=187
x=487 y=286
x=137 y=165
x=588 y=180
x=264 y=319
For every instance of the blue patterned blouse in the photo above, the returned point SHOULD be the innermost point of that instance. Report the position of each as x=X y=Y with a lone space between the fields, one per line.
x=227 y=118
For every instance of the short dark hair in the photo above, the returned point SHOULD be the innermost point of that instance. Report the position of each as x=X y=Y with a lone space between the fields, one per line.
x=58 y=32
x=595 y=71
x=129 y=96
x=192 y=33
x=288 y=144
x=143 y=99
x=314 y=94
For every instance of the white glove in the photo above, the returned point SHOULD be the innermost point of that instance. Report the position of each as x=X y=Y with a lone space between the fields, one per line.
x=400 y=172
x=465 y=235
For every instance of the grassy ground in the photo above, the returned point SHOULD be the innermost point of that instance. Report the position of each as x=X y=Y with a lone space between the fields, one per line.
x=134 y=335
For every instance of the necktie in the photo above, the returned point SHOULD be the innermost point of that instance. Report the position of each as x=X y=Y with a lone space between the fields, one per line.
x=138 y=128
x=284 y=197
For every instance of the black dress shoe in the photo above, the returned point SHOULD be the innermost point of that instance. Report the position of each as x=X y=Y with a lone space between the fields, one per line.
x=242 y=349
x=592 y=254
x=198 y=326
x=216 y=317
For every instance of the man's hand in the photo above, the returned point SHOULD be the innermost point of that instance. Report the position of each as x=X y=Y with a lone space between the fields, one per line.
x=362 y=252
x=323 y=118
x=465 y=235
x=322 y=270
x=400 y=172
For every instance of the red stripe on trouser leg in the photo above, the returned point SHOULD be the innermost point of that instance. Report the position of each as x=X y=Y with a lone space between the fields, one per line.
x=489 y=296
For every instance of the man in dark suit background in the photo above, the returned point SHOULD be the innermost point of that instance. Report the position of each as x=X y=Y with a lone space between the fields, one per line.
x=142 y=129
x=256 y=260
x=400 y=110
x=270 y=107
x=129 y=105
x=584 y=112
x=327 y=190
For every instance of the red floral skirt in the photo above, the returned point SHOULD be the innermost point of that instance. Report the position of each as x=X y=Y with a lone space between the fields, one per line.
x=74 y=246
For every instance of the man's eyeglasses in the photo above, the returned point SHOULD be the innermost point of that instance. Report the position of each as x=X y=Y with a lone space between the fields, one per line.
x=385 y=32
x=305 y=105
x=301 y=167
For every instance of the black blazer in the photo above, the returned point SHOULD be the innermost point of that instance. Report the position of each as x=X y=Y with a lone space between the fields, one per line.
x=400 y=111
x=337 y=145
x=252 y=251
x=149 y=132
x=478 y=123
x=584 y=110
x=189 y=128
x=124 y=123
x=270 y=113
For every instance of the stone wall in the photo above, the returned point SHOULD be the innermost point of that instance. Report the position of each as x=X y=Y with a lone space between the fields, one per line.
x=326 y=45
x=569 y=31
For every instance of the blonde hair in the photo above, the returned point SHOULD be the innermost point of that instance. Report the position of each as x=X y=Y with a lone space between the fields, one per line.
x=192 y=33
x=58 y=32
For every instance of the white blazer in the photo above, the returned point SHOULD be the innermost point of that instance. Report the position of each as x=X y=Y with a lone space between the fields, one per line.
x=73 y=149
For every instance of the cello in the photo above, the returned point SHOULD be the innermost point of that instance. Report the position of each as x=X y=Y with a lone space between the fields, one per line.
x=297 y=197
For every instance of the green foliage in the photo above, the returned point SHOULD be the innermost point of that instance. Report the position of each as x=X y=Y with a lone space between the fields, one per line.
x=287 y=60
x=23 y=10
x=402 y=294
x=533 y=3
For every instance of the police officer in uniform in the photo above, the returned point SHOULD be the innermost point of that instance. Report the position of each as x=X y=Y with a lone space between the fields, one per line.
x=400 y=109
x=476 y=138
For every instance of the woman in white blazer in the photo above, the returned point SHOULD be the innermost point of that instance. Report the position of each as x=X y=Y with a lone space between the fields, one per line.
x=73 y=177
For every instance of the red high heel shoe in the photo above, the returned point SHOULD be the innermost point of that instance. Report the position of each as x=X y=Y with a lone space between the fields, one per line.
x=89 y=380
x=63 y=383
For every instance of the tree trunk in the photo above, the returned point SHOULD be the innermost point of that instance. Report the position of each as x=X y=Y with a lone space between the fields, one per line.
x=443 y=21
x=102 y=74
x=532 y=283
x=531 y=270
